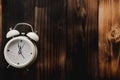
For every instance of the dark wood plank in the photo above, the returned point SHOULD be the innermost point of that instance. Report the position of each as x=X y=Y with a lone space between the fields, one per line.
x=15 y=12
x=67 y=49
x=52 y=31
x=0 y=31
x=82 y=39
x=76 y=64
x=92 y=39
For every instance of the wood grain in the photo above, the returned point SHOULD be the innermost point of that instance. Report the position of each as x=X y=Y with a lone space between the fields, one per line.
x=0 y=31
x=0 y=36
x=68 y=31
x=15 y=12
x=109 y=16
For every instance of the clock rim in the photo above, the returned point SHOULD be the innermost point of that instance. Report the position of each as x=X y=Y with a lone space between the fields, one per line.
x=32 y=45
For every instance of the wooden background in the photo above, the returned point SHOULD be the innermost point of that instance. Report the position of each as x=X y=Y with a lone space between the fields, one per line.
x=109 y=17
x=73 y=43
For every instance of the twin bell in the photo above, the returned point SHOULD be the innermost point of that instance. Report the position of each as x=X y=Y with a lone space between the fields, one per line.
x=13 y=32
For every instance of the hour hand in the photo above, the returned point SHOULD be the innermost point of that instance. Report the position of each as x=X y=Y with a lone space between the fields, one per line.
x=19 y=46
x=19 y=52
x=22 y=55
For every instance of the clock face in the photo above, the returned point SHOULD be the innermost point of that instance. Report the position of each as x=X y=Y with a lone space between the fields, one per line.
x=19 y=52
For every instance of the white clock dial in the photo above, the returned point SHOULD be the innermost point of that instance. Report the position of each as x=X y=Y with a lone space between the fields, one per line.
x=20 y=52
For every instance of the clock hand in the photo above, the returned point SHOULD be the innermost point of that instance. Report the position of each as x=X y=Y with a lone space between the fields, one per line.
x=19 y=52
x=22 y=55
x=18 y=46
x=22 y=45
x=20 y=49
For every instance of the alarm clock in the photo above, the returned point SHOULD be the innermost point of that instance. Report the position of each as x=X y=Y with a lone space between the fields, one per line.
x=21 y=50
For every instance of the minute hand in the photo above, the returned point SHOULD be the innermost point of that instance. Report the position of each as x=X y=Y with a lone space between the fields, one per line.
x=19 y=52
x=22 y=46
x=20 y=49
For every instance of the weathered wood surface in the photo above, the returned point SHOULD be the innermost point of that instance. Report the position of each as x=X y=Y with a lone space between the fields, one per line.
x=109 y=19
x=0 y=30
x=68 y=31
x=15 y=11
x=0 y=34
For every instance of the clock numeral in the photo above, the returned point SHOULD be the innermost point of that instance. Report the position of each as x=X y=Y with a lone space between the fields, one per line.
x=8 y=50
x=18 y=63
x=20 y=40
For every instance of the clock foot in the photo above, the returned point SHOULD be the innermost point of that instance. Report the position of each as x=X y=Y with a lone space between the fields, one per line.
x=8 y=66
x=27 y=69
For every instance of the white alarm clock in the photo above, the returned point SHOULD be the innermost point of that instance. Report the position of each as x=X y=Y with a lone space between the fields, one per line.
x=21 y=51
